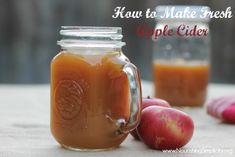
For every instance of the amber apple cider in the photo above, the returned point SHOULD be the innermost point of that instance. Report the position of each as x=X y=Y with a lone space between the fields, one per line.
x=181 y=84
x=88 y=94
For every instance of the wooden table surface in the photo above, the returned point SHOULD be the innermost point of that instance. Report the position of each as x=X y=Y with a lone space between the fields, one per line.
x=25 y=127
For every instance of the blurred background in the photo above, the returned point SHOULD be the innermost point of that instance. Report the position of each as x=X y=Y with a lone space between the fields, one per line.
x=29 y=30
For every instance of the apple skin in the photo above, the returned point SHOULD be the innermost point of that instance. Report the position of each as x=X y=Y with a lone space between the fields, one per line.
x=228 y=114
x=135 y=134
x=165 y=128
x=146 y=102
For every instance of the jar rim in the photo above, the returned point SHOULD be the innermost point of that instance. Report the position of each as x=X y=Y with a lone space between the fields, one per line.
x=91 y=36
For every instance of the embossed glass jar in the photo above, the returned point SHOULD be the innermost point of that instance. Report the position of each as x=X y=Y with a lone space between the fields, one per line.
x=95 y=90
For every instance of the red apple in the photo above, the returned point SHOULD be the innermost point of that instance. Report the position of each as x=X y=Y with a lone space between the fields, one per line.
x=146 y=102
x=165 y=128
x=154 y=102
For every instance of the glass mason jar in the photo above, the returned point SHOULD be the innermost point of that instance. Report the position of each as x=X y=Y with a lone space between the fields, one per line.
x=95 y=90
x=181 y=58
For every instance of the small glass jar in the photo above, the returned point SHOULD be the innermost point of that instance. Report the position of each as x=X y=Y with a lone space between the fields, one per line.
x=95 y=90
x=181 y=58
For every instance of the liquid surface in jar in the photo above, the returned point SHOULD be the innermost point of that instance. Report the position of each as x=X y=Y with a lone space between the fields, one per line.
x=183 y=84
x=88 y=93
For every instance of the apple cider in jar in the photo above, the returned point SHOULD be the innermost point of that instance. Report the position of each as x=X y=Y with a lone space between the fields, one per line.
x=181 y=61
x=181 y=84
x=95 y=90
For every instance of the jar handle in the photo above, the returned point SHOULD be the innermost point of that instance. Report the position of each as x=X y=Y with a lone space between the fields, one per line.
x=135 y=100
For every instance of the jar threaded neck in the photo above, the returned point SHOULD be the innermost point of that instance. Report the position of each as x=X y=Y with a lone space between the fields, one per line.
x=89 y=36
